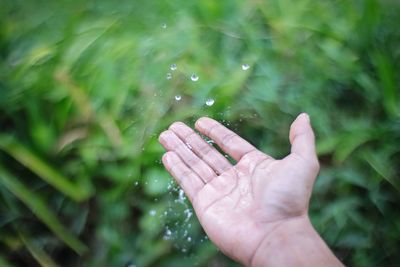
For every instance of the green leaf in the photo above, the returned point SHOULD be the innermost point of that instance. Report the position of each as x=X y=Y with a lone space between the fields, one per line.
x=381 y=164
x=39 y=208
x=4 y=262
x=387 y=74
x=43 y=170
x=37 y=252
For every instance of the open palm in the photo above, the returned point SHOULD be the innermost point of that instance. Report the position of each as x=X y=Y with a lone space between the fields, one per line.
x=241 y=205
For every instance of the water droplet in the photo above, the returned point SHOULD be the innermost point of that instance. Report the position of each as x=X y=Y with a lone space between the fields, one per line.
x=194 y=77
x=167 y=234
x=178 y=97
x=152 y=213
x=181 y=196
x=164 y=25
x=210 y=102
x=188 y=214
x=245 y=66
x=210 y=142
x=189 y=239
x=173 y=67
x=136 y=183
x=169 y=76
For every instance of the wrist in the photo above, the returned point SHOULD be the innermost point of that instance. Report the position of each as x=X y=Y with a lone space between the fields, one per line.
x=294 y=242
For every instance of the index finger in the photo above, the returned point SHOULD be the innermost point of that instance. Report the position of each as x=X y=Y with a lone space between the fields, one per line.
x=226 y=139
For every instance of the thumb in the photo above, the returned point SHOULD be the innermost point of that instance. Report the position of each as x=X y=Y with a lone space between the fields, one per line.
x=302 y=138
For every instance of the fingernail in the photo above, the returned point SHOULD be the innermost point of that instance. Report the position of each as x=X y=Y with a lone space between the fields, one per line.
x=199 y=122
x=305 y=116
x=165 y=158
x=163 y=136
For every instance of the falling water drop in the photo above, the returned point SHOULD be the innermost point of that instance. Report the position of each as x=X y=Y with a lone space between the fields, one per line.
x=152 y=212
x=210 y=142
x=178 y=97
x=210 y=102
x=245 y=66
x=173 y=67
x=194 y=77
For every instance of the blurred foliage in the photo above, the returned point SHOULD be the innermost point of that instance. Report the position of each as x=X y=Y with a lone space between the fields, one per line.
x=84 y=95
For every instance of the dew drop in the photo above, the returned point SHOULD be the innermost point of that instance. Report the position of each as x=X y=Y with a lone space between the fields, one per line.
x=173 y=67
x=210 y=102
x=169 y=76
x=194 y=77
x=245 y=66
x=178 y=97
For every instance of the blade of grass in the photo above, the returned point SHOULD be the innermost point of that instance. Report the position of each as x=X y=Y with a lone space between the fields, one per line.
x=82 y=102
x=4 y=262
x=39 y=208
x=382 y=166
x=37 y=252
x=42 y=169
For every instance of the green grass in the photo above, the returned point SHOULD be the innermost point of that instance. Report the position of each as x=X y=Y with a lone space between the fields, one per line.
x=84 y=95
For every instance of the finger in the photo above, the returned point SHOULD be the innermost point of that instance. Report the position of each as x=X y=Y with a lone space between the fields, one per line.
x=172 y=143
x=227 y=140
x=204 y=150
x=186 y=178
x=302 y=138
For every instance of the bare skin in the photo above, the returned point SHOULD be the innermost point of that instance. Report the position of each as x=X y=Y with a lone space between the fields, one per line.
x=255 y=211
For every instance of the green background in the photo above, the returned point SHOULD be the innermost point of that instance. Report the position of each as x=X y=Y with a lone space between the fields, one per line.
x=84 y=96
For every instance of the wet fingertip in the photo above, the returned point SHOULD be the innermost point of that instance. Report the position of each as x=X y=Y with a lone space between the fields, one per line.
x=176 y=124
x=166 y=158
x=304 y=116
x=161 y=137
x=200 y=122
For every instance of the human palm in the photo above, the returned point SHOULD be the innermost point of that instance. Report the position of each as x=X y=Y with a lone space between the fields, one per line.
x=240 y=205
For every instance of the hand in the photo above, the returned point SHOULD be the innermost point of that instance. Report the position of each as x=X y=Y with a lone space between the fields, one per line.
x=242 y=207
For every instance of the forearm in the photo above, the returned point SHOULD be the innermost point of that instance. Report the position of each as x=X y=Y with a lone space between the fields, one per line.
x=294 y=243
